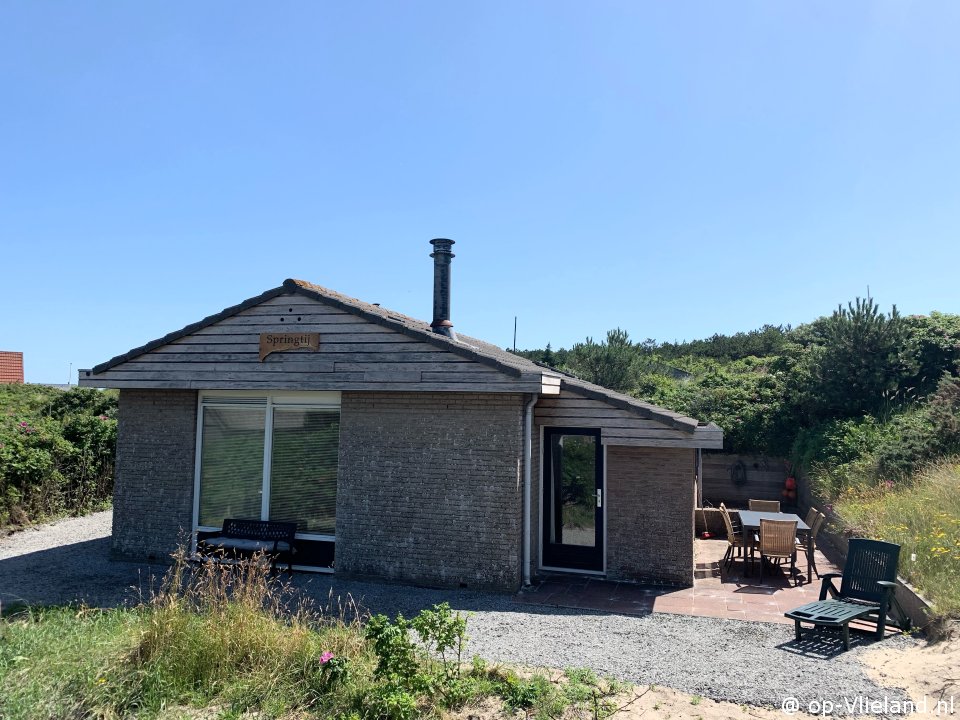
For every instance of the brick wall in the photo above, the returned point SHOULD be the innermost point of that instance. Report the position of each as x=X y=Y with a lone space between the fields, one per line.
x=11 y=366
x=153 y=495
x=650 y=505
x=430 y=488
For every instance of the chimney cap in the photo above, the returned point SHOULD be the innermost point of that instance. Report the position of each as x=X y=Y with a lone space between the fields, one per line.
x=442 y=246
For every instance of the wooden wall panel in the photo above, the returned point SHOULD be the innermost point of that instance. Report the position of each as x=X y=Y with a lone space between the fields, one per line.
x=764 y=479
x=617 y=427
x=354 y=354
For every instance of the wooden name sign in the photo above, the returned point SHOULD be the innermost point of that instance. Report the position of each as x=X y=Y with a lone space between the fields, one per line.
x=281 y=342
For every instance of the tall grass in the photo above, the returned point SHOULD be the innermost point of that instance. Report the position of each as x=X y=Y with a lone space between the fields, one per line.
x=923 y=517
x=215 y=634
x=231 y=641
x=236 y=634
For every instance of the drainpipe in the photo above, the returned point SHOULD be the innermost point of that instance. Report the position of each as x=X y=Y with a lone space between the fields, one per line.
x=699 y=469
x=527 y=482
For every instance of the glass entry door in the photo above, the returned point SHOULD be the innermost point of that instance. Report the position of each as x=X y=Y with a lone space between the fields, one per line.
x=572 y=499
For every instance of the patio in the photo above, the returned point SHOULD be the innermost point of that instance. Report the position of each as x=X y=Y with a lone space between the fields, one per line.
x=715 y=593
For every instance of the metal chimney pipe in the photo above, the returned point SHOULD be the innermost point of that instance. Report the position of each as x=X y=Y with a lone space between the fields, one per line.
x=441 y=287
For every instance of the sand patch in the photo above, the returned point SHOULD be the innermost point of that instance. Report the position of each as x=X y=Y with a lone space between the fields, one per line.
x=929 y=673
x=647 y=702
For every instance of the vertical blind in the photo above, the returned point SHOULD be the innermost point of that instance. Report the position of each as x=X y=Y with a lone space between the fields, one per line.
x=302 y=478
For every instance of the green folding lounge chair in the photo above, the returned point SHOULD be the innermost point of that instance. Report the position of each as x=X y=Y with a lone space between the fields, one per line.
x=866 y=592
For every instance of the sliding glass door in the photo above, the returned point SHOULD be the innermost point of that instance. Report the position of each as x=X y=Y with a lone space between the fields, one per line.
x=272 y=457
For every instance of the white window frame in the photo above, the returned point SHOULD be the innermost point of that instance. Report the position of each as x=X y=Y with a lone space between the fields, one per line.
x=268 y=401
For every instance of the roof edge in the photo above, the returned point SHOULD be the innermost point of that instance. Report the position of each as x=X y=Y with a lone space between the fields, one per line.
x=184 y=331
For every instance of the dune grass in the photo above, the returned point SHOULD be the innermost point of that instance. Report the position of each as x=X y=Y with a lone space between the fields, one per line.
x=923 y=517
x=229 y=641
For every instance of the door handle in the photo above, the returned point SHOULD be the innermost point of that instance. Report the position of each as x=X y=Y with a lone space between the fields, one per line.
x=599 y=498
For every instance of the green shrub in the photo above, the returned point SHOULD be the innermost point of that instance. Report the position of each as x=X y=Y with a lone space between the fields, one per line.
x=56 y=451
x=523 y=693
x=931 y=432
x=935 y=343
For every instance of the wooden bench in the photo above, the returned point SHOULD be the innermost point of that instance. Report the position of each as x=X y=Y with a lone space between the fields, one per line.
x=242 y=539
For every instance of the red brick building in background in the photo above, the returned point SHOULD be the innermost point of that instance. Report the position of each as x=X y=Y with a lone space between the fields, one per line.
x=11 y=366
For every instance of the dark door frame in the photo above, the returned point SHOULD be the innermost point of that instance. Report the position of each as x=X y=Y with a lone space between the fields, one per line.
x=558 y=555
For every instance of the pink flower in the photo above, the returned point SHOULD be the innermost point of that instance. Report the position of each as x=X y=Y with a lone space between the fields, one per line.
x=23 y=424
x=326 y=657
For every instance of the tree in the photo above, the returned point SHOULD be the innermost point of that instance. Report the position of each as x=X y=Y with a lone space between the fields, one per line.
x=612 y=364
x=855 y=361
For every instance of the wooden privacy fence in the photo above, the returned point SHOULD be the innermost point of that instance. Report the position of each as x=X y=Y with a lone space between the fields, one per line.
x=736 y=479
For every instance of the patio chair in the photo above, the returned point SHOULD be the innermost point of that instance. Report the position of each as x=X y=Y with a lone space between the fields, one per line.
x=867 y=592
x=815 y=523
x=735 y=539
x=778 y=539
x=764 y=505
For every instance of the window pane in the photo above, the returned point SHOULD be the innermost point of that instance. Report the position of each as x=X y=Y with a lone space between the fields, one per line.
x=575 y=483
x=303 y=475
x=231 y=464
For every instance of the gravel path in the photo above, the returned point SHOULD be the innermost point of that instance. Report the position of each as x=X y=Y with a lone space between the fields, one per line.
x=744 y=662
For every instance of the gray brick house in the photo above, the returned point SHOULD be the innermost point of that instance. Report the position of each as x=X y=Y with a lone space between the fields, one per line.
x=402 y=450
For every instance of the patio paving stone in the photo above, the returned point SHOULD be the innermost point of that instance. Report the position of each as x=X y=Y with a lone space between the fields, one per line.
x=716 y=592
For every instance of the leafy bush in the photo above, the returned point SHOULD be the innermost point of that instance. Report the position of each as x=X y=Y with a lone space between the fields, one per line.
x=862 y=453
x=934 y=341
x=56 y=451
x=839 y=454
x=928 y=432
x=747 y=398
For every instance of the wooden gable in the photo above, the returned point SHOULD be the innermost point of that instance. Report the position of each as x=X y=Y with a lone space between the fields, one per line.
x=355 y=353
x=619 y=426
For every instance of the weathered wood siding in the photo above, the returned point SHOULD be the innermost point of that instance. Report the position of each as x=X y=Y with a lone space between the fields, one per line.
x=617 y=426
x=765 y=478
x=354 y=354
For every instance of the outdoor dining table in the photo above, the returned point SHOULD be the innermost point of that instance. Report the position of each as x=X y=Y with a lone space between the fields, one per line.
x=750 y=519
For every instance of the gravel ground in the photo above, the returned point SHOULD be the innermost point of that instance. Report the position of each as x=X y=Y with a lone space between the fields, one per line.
x=743 y=662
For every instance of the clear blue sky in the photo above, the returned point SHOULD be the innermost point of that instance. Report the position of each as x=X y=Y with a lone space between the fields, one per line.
x=674 y=169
